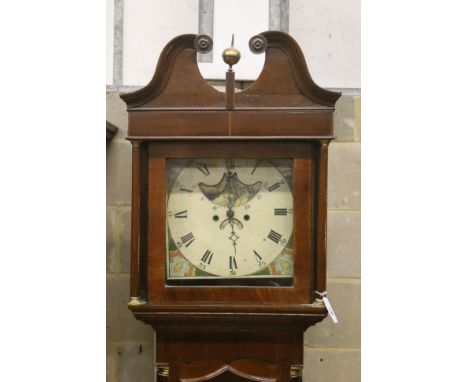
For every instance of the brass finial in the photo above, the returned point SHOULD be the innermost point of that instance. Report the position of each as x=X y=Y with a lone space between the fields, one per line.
x=231 y=55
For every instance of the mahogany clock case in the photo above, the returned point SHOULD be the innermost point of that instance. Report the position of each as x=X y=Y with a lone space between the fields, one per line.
x=284 y=114
x=235 y=332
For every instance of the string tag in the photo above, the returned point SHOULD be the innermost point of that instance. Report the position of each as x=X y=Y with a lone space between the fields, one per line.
x=327 y=303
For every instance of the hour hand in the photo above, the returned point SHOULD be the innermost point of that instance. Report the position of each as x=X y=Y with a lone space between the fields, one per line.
x=232 y=221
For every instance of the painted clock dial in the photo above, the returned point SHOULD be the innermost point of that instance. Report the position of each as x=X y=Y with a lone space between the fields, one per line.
x=229 y=218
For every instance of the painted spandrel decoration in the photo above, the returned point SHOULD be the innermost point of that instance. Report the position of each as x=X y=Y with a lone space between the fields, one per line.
x=230 y=218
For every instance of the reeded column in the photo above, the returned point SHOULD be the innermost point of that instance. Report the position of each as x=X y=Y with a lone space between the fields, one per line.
x=321 y=249
x=135 y=287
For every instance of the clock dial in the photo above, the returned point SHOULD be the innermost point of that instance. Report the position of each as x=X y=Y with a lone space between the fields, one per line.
x=230 y=218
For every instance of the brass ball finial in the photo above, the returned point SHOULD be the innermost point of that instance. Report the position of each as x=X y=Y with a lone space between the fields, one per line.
x=231 y=55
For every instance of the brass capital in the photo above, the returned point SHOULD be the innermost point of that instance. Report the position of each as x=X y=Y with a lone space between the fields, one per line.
x=135 y=301
x=318 y=303
x=162 y=369
x=296 y=371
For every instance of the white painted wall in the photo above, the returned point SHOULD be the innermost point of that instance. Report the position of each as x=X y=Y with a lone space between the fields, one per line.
x=148 y=26
x=109 y=40
x=328 y=32
x=244 y=18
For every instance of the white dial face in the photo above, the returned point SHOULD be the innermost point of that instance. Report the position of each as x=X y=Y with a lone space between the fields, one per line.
x=230 y=218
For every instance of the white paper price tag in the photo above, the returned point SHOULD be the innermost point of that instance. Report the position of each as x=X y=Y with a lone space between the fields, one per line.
x=330 y=310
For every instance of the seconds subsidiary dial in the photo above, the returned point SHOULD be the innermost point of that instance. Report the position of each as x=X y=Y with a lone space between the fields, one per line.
x=231 y=218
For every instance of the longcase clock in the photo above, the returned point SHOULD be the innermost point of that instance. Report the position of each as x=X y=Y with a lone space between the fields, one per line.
x=228 y=247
